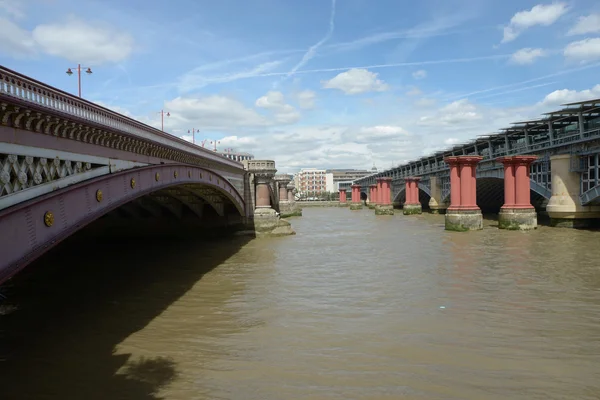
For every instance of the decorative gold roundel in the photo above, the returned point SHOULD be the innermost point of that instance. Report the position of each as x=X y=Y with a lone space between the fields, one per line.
x=132 y=183
x=157 y=176
x=99 y=195
x=175 y=174
x=48 y=218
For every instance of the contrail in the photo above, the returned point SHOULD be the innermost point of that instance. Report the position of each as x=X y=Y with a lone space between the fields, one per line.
x=313 y=49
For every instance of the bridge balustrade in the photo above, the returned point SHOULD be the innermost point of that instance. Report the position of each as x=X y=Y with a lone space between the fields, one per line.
x=26 y=90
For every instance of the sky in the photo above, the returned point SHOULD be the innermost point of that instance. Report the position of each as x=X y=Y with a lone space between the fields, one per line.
x=314 y=83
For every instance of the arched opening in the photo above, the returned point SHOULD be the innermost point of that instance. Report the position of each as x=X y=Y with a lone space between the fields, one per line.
x=424 y=198
x=363 y=196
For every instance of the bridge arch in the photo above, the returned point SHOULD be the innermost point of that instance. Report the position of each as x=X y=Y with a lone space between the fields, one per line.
x=37 y=225
x=424 y=195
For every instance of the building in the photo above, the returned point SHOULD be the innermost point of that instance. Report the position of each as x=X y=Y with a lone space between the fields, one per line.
x=333 y=177
x=235 y=155
x=310 y=182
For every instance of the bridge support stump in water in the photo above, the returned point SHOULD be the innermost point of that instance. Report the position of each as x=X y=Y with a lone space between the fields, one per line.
x=356 y=203
x=287 y=207
x=436 y=204
x=412 y=205
x=517 y=213
x=384 y=205
x=463 y=213
x=564 y=207
x=266 y=221
x=372 y=196
x=343 y=198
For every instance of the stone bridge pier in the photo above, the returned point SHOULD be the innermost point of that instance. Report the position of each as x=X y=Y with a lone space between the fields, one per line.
x=384 y=197
x=356 y=203
x=463 y=213
x=412 y=205
x=517 y=213
x=436 y=201
x=265 y=219
x=564 y=207
x=287 y=203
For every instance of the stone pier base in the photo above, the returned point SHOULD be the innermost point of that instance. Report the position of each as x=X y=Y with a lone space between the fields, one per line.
x=356 y=206
x=268 y=224
x=464 y=220
x=344 y=204
x=372 y=206
x=384 y=209
x=516 y=219
x=287 y=210
x=397 y=204
x=411 y=209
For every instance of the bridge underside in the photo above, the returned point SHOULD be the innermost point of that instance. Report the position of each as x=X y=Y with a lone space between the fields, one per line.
x=160 y=199
x=490 y=196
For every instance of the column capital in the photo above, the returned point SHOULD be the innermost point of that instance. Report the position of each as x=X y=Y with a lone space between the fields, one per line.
x=373 y=185
x=506 y=160
x=263 y=177
x=412 y=179
x=355 y=186
x=456 y=160
x=341 y=190
x=524 y=160
x=386 y=178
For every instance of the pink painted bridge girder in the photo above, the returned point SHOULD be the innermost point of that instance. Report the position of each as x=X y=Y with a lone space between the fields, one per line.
x=26 y=236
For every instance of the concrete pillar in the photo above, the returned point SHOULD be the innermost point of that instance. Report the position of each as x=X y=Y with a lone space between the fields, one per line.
x=384 y=205
x=564 y=207
x=436 y=204
x=343 y=199
x=463 y=213
x=290 y=193
x=283 y=196
x=517 y=213
x=412 y=205
x=356 y=203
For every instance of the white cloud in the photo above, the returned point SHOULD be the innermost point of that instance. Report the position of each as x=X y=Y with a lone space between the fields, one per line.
x=79 y=41
x=356 y=81
x=527 y=56
x=213 y=112
x=414 y=91
x=15 y=41
x=457 y=112
x=563 y=96
x=587 y=24
x=74 y=40
x=420 y=74
x=275 y=102
x=306 y=99
x=451 y=141
x=541 y=14
x=583 y=50
x=11 y=8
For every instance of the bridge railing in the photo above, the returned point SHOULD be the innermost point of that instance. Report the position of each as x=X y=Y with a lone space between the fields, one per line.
x=27 y=90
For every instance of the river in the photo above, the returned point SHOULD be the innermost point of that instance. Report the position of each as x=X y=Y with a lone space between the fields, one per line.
x=355 y=306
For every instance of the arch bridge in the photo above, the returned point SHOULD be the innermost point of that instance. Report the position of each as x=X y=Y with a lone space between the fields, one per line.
x=66 y=162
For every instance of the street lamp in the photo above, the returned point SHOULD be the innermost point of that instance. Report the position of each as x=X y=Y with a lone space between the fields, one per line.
x=162 y=119
x=215 y=143
x=78 y=68
x=193 y=132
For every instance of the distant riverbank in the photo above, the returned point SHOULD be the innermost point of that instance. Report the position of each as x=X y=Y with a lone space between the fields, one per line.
x=318 y=203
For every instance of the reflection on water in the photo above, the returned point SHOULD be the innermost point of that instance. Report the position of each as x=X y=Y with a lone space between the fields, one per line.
x=353 y=307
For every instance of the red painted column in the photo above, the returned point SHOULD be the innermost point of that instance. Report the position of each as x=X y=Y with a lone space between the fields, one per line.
x=509 y=181
x=454 y=182
x=355 y=193
x=466 y=184
x=343 y=198
x=416 y=190
x=407 y=191
x=522 y=185
x=373 y=194
x=379 y=190
x=386 y=184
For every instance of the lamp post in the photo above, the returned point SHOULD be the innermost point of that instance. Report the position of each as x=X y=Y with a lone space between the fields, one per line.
x=78 y=68
x=215 y=143
x=162 y=119
x=193 y=132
